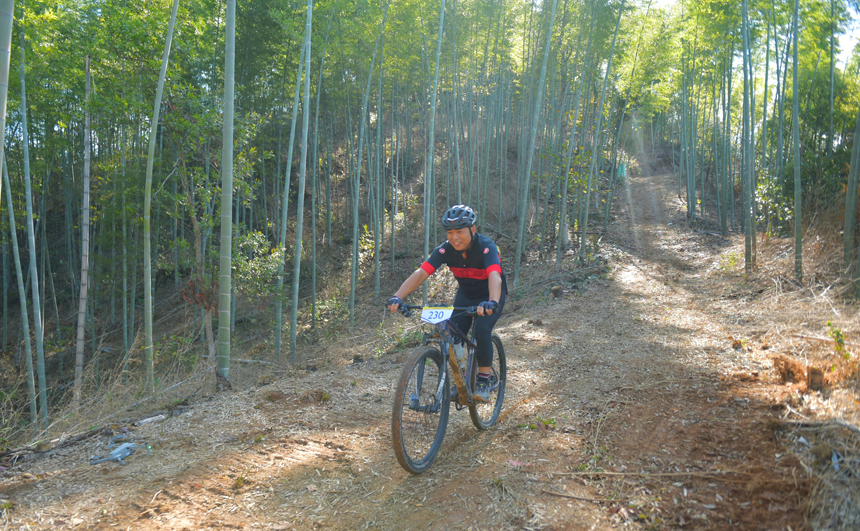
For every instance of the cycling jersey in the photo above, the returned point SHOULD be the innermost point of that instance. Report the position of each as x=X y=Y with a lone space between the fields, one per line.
x=472 y=272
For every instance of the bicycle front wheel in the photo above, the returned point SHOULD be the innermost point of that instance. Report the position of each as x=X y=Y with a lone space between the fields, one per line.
x=485 y=414
x=420 y=413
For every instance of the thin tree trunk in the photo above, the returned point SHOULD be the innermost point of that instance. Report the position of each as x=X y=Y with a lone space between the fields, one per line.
x=745 y=145
x=563 y=229
x=429 y=182
x=147 y=208
x=599 y=111
x=357 y=174
x=7 y=9
x=126 y=335
x=285 y=210
x=6 y=282
x=764 y=104
x=31 y=239
x=297 y=257
x=22 y=295
x=378 y=206
x=315 y=179
x=328 y=184
x=849 y=255
x=85 y=251
x=222 y=369
x=832 y=75
x=795 y=133
x=521 y=230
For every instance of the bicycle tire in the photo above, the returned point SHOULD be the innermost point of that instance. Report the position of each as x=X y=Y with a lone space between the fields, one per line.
x=418 y=423
x=485 y=415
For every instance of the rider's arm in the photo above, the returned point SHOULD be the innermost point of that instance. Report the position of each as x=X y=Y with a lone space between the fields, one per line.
x=495 y=285
x=495 y=281
x=412 y=283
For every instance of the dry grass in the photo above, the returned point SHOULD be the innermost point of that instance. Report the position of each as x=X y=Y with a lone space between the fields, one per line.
x=810 y=340
x=835 y=497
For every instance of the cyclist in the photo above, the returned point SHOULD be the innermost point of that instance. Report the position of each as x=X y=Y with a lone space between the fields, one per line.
x=474 y=260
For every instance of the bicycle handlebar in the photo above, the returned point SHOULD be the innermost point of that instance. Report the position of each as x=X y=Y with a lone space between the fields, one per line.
x=406 y=309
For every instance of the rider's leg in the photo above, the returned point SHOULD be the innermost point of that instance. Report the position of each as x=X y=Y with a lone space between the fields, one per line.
x=484 y=338
x=461 y=320
x=483 y=329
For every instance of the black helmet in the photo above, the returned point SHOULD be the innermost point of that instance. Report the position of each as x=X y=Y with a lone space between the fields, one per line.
x=459 y=217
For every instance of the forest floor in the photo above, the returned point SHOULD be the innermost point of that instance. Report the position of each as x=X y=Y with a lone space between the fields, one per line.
x=651 y=395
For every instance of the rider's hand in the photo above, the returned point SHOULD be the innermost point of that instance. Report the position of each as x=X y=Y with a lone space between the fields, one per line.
x=487 y=307
x=394 y=303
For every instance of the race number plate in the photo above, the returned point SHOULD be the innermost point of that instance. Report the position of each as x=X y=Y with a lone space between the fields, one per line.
x=436 y=315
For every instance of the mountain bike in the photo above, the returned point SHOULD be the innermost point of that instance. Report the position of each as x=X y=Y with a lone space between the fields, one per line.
x=422 y=401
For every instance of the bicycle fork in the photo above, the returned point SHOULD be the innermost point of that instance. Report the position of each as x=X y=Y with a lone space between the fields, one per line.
x=415 y=398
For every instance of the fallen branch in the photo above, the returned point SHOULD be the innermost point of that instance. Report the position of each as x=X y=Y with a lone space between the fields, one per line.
x=255 y=361
x=51 y=445
x=651 y=474
x=61 y=442
x=832 y=423
x=710 y=233
x=150 y=420
x=789 y=411
x=580 y=498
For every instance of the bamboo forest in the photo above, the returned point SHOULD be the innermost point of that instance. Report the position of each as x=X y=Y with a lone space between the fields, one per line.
x=205 y=205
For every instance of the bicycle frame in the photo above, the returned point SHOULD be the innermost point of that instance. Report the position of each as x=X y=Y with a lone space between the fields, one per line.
x=443 y=335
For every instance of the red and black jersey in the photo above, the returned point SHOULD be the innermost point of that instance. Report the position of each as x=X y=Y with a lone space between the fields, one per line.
x=472 y=272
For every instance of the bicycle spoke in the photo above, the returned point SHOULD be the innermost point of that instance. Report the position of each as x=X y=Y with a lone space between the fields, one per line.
x=420 y=412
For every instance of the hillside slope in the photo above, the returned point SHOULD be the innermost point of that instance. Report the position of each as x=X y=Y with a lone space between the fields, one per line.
x=643 y=395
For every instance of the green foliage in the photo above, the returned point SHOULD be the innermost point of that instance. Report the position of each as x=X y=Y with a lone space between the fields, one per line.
x=776 y=213
x=403 y=337
x=547 y=423
x=838 y=340
x=173 y=350
x=334 y=310
x=242 y=479
x=729 y=261
x=707 y=39
x=365 y=241
x=407 y=338
x=13 y=404
x=644 y=62
x=255 y=265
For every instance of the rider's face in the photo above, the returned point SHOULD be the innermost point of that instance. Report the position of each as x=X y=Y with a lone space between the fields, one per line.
x=461 y=239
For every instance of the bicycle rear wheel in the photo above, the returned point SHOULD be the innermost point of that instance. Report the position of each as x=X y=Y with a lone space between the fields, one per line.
x=483 y=414
x=420 y=413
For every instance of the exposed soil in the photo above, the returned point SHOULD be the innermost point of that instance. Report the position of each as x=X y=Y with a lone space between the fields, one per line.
x=641 y=397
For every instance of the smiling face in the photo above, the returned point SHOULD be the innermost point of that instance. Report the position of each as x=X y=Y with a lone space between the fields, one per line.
x=461 y=239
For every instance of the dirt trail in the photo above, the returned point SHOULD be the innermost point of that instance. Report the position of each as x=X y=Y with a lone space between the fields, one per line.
x=649 y=422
